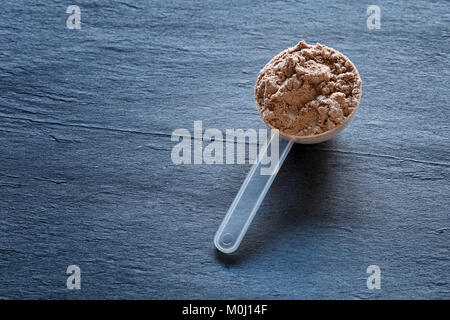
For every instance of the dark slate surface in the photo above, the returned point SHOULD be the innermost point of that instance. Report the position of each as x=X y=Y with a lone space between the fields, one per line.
x=86 y=176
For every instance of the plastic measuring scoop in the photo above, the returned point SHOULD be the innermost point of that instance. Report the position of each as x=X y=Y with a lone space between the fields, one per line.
x=246 y=203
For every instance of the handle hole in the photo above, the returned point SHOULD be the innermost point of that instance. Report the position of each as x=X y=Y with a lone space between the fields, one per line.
x=227 y=239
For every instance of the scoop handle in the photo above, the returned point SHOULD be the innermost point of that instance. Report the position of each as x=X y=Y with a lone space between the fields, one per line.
x=246 y=203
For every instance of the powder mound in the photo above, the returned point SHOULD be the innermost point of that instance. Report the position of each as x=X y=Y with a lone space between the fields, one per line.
x=307 y=90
